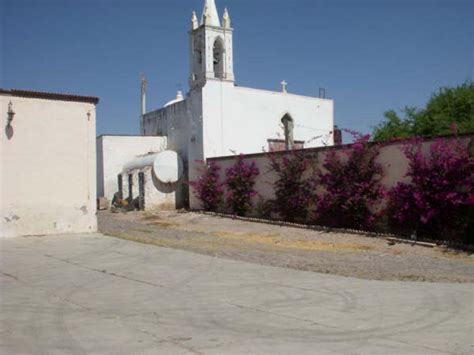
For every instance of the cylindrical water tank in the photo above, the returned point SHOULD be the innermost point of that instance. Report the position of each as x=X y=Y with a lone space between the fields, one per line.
x=140 y=162
x=167 y=165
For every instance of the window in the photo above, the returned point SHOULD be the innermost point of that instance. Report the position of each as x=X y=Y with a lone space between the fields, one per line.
x=130 y=187
x=120 y=186
x=288 y=125
x=141 y=191
x=218 y=55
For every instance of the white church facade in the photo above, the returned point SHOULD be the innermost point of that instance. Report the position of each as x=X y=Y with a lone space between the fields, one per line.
x=219 y=118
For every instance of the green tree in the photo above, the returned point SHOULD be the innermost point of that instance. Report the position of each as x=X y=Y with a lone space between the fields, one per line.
x=446 y=107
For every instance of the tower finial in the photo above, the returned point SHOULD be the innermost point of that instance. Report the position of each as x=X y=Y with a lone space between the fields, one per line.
x=194 y=21
x=210 y=16
x=226 y=19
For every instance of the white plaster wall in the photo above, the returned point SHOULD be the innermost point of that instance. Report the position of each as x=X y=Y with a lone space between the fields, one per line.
x=173 y=122
x=240 y=120
x=223 y=119
x=125 y=191
x=115 y=151
x=181 y=123
x=157 y=194
x=48 y=168
x=135 y=184
x=204 y=38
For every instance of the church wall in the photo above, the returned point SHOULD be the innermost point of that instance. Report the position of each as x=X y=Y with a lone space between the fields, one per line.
x=240 y=120
x=181 y=123
x=48 y=166
x=115 y=151
x=171 y=122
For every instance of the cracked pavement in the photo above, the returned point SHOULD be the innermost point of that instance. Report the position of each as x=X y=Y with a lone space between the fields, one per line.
x=92 y=294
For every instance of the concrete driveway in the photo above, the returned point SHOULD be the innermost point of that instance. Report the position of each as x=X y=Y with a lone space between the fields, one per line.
x=99 y=295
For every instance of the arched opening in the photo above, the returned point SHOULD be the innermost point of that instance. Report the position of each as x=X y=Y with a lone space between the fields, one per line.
x=288 y=125
x=218 y=55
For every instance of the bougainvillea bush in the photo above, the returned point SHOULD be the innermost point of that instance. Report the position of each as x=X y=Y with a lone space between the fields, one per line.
x=240 y=181
x=438 y=202
x=207 y=188
x=351 y=185
x=293 y=187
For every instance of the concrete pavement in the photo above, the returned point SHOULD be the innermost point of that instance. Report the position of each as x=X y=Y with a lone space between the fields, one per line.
x=93 y=294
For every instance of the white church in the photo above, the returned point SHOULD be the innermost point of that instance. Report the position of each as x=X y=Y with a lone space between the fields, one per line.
x=216 y=117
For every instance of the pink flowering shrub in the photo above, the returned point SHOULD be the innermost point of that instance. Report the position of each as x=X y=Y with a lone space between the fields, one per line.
x=240 y=180
x=351 y=186
x=207 y=188
x=293 y=190
x=438 y=202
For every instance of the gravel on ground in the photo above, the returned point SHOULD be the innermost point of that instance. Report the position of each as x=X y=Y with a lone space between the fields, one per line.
x=342 y=254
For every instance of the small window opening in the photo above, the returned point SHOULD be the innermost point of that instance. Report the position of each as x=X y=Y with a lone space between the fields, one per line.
x=218 y=59
x=130 y=187
x=120 y=186
x=141 y=191
x=288 y=126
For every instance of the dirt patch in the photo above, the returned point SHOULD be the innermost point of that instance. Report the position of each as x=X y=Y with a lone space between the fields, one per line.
x=325 y=252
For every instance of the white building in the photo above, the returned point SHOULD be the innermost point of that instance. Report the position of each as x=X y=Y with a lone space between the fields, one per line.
x=125 y=166
x=218 y=118
x=47 y=163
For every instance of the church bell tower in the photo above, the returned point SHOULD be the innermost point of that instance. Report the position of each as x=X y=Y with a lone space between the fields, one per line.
x=210 y=44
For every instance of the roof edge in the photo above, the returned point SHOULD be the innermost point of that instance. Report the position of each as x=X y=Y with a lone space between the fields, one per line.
x=342 y=146
x=127 y=136
x=50 y=96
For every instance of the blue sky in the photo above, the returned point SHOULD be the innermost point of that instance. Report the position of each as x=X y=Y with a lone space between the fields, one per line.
x=370 y=55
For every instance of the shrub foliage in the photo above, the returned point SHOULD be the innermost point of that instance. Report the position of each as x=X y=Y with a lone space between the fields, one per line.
x=350 y=180
x=440 y=196
x=207 y=188
x=293 y=188
x=240 y=181
x=436 y=201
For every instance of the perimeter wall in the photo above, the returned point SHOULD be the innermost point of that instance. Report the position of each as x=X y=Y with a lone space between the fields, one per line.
x=391 y=157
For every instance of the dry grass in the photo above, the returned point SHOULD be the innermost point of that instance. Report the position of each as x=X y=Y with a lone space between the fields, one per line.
x=162 y=224
x=274 y=240
x=156 y=220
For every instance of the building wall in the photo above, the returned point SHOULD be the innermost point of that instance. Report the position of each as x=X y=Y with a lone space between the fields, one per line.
x=157 y=195
x=222 y=119
x=115 y=151
x=48 y=169
x=391 y=158
x=240 y=120
x=181 y=123
x=203 y=40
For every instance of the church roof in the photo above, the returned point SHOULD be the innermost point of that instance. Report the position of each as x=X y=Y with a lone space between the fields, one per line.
x=210 y=10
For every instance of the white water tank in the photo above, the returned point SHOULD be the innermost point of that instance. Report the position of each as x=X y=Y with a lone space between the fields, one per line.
x=168 y=167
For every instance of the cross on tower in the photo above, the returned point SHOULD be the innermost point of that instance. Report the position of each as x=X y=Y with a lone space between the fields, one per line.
x=284 y=84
